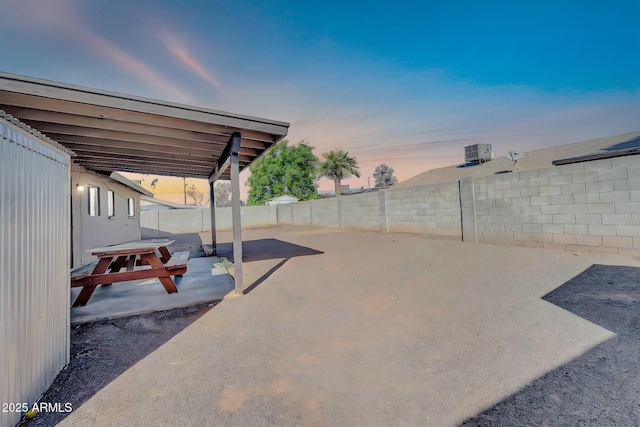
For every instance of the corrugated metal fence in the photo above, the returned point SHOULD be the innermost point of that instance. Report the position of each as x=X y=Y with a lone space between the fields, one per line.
x=34 y=264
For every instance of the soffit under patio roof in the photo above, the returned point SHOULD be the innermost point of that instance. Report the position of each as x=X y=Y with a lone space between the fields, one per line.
x=116 y=132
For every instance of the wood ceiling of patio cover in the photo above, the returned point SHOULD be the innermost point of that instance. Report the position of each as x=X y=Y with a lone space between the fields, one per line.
x=116 y=132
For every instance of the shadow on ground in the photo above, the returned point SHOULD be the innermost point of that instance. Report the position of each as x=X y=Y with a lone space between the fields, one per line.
x=602 y=387
x=265 y=249
x=102 y=351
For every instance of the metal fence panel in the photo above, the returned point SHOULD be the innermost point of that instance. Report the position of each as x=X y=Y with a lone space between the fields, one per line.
x=34 y=264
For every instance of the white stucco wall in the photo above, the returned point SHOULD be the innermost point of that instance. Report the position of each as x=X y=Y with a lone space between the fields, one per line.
x=94 y=231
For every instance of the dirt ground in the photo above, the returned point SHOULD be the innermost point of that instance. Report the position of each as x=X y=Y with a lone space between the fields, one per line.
x=599 y=388
x=101 y=351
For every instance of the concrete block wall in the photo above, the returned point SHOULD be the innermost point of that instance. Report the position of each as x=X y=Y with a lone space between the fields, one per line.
x=326 y=212
x=251 y=216
x=361 y=211
x=302 y=212
x=174 y=220
x=583 y=207
x=431 y=209
x=196 y=220
x=284 y=213
x=467 y=209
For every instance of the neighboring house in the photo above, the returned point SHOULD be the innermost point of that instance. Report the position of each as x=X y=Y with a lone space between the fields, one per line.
x=281 y=200
x=535 y=159
x=346 y=190
x=105 y=210
x=150 y=203
x=364 y=190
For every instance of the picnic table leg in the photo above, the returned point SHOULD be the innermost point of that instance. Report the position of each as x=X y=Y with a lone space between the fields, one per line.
x=116 y=266
x=131 y=263
x=118 y=263
x=83 y=297
x=166 y=255
x=102 y=265
x=154 y=262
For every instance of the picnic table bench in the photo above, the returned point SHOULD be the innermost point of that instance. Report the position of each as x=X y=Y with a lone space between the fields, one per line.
x=144 y=259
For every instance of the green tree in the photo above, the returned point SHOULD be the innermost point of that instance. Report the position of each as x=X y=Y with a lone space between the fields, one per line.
x=337 y=166
x=384 y=176
x=284 y=170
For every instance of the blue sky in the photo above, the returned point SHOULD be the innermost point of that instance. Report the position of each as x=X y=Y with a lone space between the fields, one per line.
x=404 y=83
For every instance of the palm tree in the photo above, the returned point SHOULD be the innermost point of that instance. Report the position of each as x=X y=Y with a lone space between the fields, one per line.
x=337 y=166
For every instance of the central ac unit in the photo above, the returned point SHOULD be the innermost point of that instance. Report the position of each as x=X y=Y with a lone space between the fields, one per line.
x=477 y=153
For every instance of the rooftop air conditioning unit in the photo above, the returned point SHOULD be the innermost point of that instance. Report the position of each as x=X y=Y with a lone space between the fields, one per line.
x=477 y=153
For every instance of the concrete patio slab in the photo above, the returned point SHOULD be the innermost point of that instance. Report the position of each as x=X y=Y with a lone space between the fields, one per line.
x=374 y=329
x=122 y=299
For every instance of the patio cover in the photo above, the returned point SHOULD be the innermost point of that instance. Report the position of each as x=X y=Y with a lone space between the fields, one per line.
x=111 y=132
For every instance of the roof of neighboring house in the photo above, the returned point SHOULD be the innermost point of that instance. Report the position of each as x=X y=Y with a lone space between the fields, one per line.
x=118 y=132
x=152 y=200
x=536 y=159
x=283 y=197
x=122 y=180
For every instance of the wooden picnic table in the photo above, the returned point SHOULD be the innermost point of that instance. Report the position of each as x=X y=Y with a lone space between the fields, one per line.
x=142 y=259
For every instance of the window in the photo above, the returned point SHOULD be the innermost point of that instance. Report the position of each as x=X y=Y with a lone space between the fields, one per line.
x=132 y=207
x=94 y=201
x=111 y=210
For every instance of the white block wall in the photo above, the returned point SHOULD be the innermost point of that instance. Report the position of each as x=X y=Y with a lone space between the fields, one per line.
x=430 y=209
x=585 y=207
x=196 y=220
x=361 y=211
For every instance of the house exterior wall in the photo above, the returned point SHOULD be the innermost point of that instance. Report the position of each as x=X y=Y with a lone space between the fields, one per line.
x=34 y=265
x=94 y=231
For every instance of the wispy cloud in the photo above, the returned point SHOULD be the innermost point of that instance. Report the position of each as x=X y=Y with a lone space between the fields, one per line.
x=186 y=58
x=134 y=66
x=62 y=17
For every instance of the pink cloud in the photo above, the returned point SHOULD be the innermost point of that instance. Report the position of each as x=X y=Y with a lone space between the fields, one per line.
x=180 y=52
x=134 y=66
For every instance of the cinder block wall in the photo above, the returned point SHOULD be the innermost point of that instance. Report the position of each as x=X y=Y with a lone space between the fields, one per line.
x=361 y=211
x=301 y=212
x=284 y=213
x=196 y=220
x=430 y=209
x=326 y=212
x=586 y=207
